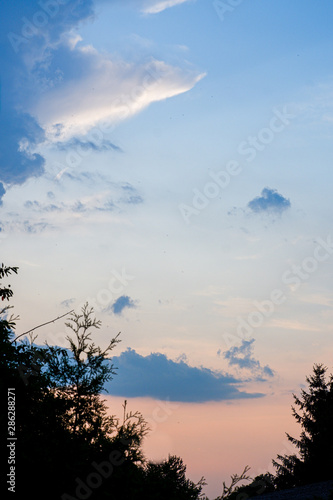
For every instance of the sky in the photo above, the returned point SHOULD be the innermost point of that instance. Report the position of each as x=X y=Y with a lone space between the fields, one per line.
x=170 y=163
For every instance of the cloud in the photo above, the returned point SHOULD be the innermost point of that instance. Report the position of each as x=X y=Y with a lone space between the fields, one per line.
x=87 y=204
x=104 y=92
x=86 y=146
x=33 y=26
x=28 y=35
x=112 y=198
x=67 y=302
x=36 y=206
x=154 y=7
x=2 y=192
x=16 y=225
x=20 y=133
x=158 y=377
x=56 y=88
x=269 y=201
x=101 y=200
x=131 y=195
x=242 y=357
x=133 y=199
x=182 y=357
x=123 y=302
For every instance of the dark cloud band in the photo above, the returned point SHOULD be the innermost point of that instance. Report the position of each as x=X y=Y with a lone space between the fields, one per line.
x=158 y=377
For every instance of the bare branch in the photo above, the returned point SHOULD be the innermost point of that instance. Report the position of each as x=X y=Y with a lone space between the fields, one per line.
x=235 y=478
x=43 y=324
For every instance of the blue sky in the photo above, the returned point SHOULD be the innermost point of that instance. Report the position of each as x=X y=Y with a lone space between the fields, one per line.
x=170 y=162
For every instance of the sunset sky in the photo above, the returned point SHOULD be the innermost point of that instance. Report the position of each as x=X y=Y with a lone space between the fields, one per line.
x=169 y=161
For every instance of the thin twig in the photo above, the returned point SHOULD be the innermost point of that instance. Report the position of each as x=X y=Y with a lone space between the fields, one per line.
x=124 y=406
x=47 y=323
x=235 y=478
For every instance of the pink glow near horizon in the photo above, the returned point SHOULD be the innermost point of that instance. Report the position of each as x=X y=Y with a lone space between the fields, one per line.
x=216 y=439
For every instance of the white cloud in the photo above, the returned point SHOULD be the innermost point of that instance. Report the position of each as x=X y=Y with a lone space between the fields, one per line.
x=108 y=92
x=154 y=7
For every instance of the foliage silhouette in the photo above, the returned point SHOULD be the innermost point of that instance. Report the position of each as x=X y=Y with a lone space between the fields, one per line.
x=77 y=377
x=38 y=418
x=6 y=292
x=167 y=479
x=262 y=484
x=69 y=446
x=314 y=412
x=229 y=491
x=312 y=461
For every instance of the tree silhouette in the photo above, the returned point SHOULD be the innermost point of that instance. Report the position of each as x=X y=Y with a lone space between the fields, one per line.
x=69 y=446
x=313 y=410
x=264 y=483
x=77 y=376
x=8 y=358
x=38 y=422
x=168 y=478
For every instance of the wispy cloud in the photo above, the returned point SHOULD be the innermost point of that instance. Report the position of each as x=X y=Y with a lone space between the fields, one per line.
x=100 y=200
x=158 y=377
x=269 y=201
x=131 y=195
x=24 y=226
x=36 y=206
x=86 y=204
x=107 y=200
x=242 y=357
x=156 y=6
x=67 y=302
x=87 y=145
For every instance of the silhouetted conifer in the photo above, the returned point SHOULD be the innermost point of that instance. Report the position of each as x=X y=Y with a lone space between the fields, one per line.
x=313 y=410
